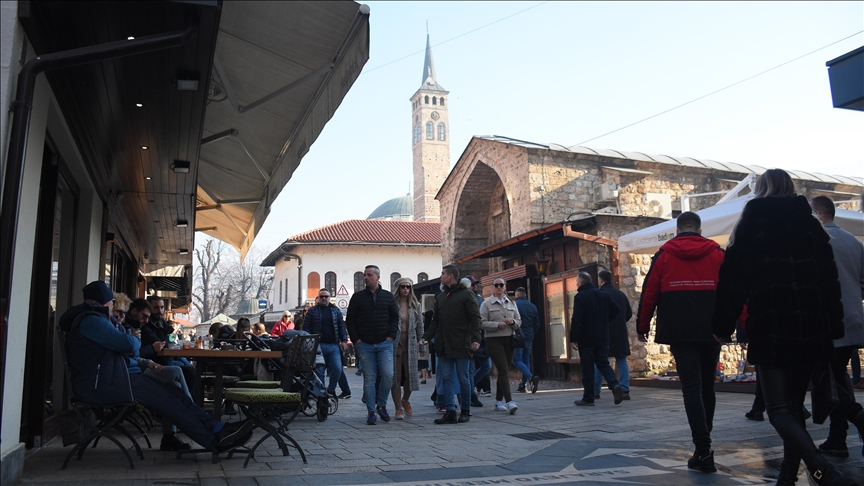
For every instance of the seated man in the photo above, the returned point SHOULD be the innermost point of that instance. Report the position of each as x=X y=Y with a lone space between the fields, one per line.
x=96 y=349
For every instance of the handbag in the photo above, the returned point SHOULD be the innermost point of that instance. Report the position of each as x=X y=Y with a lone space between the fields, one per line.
x=824 y=396
x=518 y=338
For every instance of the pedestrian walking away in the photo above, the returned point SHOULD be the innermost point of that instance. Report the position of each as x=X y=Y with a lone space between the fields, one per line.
x=780 y=263
x=530 y=326
x=681 y=285
x=373 y=323
x=619 y=339
x=589 y=335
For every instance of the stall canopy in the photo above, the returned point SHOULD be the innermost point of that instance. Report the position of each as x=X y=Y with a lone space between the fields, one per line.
x=718 y=221
x=221 y=319
x=280 y=70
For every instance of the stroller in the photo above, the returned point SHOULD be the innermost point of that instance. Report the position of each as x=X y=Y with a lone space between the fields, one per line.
x=318 y=402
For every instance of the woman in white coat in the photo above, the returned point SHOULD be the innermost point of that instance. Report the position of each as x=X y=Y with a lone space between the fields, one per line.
x=500 y=317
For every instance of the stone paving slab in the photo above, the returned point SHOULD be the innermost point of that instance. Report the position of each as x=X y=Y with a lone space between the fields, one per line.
x=645 y=440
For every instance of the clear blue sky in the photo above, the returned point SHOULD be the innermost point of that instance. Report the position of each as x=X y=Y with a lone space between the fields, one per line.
x=568 y=72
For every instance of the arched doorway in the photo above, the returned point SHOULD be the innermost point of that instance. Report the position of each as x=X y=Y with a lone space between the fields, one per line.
x=482 y=216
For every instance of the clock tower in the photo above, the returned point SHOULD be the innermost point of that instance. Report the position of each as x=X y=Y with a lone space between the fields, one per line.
x=430 y=139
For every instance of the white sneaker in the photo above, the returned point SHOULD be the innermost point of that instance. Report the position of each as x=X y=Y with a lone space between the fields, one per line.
x=499 y=405
x=511 y=406
x=485 y=394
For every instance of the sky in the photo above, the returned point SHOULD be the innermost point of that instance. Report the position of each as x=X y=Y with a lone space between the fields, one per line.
x=566 y=73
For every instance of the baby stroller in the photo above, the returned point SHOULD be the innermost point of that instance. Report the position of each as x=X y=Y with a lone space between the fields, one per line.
x=318 y=402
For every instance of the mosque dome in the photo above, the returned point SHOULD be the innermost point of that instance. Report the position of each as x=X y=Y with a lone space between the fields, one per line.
x=398 y=208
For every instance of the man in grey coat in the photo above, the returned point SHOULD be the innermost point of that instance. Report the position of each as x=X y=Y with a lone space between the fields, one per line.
x=849 y=257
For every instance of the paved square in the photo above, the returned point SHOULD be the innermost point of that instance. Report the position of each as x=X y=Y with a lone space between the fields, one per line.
x=642 y=441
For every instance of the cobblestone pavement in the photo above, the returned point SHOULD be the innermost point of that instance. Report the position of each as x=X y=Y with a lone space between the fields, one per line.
x=642 y=441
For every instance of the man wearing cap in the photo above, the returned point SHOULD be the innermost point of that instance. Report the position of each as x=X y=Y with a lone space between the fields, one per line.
x=95 y=351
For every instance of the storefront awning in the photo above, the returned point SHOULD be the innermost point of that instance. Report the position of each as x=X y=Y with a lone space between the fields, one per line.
x=279 y=72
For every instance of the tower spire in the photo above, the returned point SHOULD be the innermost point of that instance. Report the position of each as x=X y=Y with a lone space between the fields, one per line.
x=429 y=82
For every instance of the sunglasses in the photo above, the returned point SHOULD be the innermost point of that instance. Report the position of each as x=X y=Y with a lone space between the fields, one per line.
x=405 y=287
x=120 y=313
x=323 y=296
x=499 y=285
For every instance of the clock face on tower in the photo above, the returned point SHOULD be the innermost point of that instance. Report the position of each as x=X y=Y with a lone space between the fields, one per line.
x=435 y=115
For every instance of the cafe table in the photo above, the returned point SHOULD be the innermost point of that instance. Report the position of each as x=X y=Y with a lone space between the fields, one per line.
x=218 y=357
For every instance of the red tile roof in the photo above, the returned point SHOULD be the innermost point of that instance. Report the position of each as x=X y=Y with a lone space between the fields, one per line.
x=367 y=231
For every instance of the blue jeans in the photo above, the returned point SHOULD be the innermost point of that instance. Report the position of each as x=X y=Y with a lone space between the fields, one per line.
x=377 y=360
x=446 y=368
x=623 y=375
x=482 y=368
x=333 y=362
x=522 y=360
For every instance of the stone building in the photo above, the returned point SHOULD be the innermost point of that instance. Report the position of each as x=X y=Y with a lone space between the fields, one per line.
x=538 y=214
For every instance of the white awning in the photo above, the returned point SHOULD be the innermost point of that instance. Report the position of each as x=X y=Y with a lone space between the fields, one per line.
x=280 y=71
x=717 y=224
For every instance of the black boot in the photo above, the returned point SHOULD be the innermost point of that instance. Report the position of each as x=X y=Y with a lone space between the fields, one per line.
x=448 y=418
x=464 y=416
x=475 y=402
x=829 y=475
x=788 y=473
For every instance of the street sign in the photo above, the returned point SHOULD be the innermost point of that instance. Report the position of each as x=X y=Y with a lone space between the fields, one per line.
x=342 y=290
x=262 y=304
x=342 y=303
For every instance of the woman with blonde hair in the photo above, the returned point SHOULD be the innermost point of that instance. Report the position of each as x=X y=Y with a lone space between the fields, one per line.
x=780 y=264
x=121 y=307
x=500 y=317
x=406 y=347
x=285 y=324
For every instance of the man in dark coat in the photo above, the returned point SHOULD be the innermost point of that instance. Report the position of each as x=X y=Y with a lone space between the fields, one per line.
x=456 y=329
x=589 y=334
x=681 y=284
x=619 y=339
x=530 y=326
x=373 y=321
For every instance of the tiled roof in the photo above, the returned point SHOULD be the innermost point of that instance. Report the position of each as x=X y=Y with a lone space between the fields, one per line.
x=365 y=231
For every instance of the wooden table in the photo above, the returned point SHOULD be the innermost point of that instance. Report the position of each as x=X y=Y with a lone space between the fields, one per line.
x=204 y=356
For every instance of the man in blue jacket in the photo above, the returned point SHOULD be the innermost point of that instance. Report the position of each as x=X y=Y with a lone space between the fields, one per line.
x=589 y=333
x=325 y=319
x=530 y=326
x=95 y=351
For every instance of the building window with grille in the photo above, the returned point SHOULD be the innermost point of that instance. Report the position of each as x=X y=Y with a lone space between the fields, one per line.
x=430 y=131
x=286 y=290
x=330 y=282
x=422 y=277
x=359 y=284
x=441 y=135
x=280 y=292
x=393 y=278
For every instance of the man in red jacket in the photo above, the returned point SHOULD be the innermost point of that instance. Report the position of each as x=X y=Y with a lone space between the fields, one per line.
x=681 y=284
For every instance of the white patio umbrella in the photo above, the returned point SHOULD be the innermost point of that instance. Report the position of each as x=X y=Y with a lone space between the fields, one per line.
x=718 y=221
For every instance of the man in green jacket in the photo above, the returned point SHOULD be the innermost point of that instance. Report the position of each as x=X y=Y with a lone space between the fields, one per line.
x=456 y=330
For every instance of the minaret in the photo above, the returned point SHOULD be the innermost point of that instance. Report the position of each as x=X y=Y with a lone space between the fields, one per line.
x=430 y=138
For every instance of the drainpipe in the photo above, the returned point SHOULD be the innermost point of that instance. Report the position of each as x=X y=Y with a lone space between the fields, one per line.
x=21 y=108
x=292 y=256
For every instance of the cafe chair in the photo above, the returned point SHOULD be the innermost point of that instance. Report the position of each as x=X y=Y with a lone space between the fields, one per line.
x=273 y=410
x=92 y=421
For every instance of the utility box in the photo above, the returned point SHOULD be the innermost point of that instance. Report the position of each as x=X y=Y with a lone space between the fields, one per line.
x=605 y=192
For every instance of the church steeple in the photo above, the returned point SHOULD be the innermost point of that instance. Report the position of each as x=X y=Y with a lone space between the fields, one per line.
x=429 y=82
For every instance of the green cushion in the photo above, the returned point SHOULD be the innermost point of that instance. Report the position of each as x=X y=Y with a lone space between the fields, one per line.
x=259 y=384
x=248 y=395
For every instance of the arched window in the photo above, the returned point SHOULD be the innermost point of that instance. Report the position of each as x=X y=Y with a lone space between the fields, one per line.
x=358 y=281
x=427 y=100
x=330 y=282
x=434 y=100
x=442 y=101
x=280 y=292
x=393 y=278
x=441 y=135
x=422 y=277
x=430 y=135
x=313 y=283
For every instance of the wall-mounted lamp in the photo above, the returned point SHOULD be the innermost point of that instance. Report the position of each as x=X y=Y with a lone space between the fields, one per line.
x=109 y=237
x=183 y=251
x=181 y=223
x=542 y=265
x=181 y=166
x=187 y=81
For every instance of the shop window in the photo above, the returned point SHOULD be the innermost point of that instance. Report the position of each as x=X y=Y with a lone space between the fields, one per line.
x=313 y=283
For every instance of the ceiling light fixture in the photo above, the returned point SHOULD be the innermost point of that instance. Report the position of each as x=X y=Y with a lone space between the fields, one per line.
x=183 y=251
x=130 y=38
x=181 y=166
x=143 y=147
x=181 y=223
x=139 y=105
x=147 y=178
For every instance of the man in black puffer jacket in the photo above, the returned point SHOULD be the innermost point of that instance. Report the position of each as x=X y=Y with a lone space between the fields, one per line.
x=373 y=321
